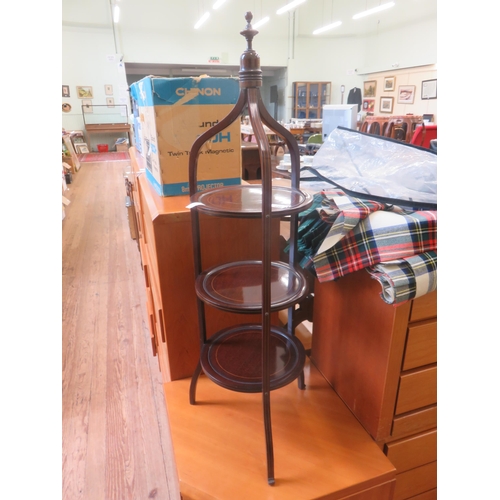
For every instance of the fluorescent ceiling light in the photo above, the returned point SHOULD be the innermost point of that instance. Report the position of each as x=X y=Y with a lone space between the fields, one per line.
x=374 y=10
x=289 y=6
x=116 y=14
x=218 y=4
x=327 y=27
x=261 y=22
x=203 y=18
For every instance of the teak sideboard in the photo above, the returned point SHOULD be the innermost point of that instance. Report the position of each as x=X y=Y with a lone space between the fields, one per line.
x=382 y=361
x=166 y=248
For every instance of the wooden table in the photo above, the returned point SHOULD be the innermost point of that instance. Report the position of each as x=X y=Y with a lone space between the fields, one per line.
x=108 y=128
x=299 y=132
x=275 y=141
x=321 y=450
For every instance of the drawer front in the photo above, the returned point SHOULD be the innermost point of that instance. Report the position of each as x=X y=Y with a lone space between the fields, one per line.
x=424 y=307
x=427 y=495
x=416 y=390
x=413 y=451
x=416 y=481
x=421 y=346
x=415 y=422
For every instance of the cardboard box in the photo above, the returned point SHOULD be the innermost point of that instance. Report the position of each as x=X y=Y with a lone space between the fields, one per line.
x=171 y=114
x=122 y=147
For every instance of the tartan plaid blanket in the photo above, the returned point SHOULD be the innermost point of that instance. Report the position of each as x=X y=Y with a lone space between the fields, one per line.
x=406 y=279
x=340 y=234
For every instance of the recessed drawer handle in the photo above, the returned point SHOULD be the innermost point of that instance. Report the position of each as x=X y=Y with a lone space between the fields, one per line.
x=162 y=329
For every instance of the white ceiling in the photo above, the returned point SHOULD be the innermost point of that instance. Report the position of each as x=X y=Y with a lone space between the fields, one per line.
x=181 y=15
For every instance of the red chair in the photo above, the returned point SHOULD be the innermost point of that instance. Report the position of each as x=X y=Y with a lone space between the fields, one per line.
x=424 y=134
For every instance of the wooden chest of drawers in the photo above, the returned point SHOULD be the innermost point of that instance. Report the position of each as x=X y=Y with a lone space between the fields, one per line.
x=382 y=361
x=165 y=243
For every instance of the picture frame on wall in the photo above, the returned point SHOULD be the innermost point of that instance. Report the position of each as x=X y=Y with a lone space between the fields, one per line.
x=65 y=91
x=87 y=106
x=429 y=89
x=370 y=88
x=406 y=94
x=110 y=102
x=369 y=105
x=84 y=92
x=389 y=83
x=108 y=89
x=386 y=104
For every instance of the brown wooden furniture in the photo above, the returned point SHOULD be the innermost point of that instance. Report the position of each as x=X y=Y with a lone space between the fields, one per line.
x=164 y=228
x=400 y=128
x=301 y=132
x=250 y=161
x=381 y=360
x=256 y=357
x=107 y=128
x=375 y=125
x=321 y=450
x=309 y=99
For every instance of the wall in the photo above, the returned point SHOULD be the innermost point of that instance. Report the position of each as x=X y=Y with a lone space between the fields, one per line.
x=409 y=76
x=88 y=56
x=351 y=61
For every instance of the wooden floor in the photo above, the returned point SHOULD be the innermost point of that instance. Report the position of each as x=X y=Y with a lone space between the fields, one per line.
x=116 y=435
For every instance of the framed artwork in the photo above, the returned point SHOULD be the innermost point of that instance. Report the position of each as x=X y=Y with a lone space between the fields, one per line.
x=87 y=106
x=369 y=105
x=389 y=83
x=82 y=149
x=406 y=94
x=65 y=91
x=110 y=102
x=84 y=92
x=429 y=89
x=370 y=88
x=386 y=104
x=108 y=89
x=66 y=107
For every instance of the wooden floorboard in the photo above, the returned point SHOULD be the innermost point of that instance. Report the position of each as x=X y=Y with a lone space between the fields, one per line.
x=116 y=435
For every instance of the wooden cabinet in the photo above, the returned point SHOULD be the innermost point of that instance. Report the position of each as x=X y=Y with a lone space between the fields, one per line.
x=309 y=99
x=165 y=243
x=382 y=361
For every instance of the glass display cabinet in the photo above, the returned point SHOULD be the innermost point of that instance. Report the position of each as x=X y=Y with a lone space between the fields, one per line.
x=309 y=99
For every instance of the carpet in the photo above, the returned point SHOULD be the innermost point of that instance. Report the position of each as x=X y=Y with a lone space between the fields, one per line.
x=110 y=156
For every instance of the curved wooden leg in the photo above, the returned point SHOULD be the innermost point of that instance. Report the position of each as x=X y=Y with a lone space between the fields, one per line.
x=192 y=387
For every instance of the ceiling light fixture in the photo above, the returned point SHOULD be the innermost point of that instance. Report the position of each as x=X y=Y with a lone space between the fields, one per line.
x=374 y=10
x=327 y=27
x=289 y=6
x=261 y=22
x=218 y=4
x=116 y=14
x=203 y=18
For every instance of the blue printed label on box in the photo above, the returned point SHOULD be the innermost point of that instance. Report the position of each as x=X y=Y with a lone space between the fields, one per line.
x=173 y=112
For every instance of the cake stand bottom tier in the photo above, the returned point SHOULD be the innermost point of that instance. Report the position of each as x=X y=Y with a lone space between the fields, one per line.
x=232 y=358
